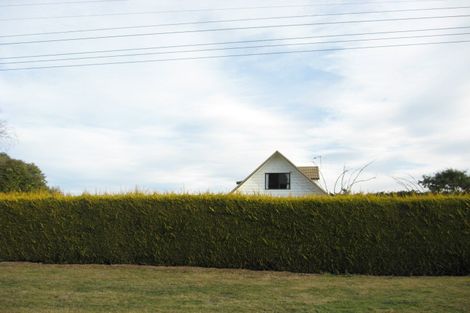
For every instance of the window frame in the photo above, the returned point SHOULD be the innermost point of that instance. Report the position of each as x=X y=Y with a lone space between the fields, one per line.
x=266 y=180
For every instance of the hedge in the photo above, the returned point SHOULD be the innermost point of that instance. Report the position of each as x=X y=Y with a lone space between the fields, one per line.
x=428 y=235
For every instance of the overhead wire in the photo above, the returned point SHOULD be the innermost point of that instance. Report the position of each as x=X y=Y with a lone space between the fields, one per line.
x=57 y=3
x=237 y=42
x=232 y=21
x=229 y=29
x=235 y=48
x=232 y=55
x=219 y=9
x=232 y=28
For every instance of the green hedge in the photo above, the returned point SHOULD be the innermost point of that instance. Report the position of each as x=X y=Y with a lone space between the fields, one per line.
x=427 y=235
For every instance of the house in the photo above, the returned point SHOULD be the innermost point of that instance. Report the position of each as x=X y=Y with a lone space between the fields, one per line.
x=277 y=176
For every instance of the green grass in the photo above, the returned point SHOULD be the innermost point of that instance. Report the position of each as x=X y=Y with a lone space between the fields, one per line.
x=26 y=287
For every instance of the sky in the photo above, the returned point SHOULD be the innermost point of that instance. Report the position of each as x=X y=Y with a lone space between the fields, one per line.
x=200 y=125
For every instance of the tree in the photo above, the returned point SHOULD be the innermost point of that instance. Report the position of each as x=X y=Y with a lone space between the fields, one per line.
x=349 y=178
x=2 y=128
x=3 y=131
x=410 y=183
x=19 y=176
x=447 y=181
x=6 y=136
x=345 y=181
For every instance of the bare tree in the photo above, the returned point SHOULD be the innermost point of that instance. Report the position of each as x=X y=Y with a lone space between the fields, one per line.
x=410 y=183
x=6 y=136
x=349 y=178
x=3 y=130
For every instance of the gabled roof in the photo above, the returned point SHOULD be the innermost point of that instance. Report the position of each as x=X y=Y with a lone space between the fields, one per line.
x=276 y=153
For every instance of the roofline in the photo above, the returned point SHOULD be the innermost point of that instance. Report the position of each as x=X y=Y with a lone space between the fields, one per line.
x=252 y=173
x=289 y=161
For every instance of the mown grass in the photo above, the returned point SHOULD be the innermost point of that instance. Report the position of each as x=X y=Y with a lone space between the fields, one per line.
x=26 y=287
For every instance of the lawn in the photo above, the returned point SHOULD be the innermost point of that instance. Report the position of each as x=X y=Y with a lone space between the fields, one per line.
x=26 y=287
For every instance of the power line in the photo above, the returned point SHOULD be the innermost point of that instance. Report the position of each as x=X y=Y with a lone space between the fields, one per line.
x=217 y=9
x=233 y=28
x=232 y=55
x=57 y=3
x=231 y=21
x=237 y=42
x=235 y=48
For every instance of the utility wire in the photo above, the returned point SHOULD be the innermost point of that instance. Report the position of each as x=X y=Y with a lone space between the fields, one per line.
x=235 y=48
x=233 y=28
x=57 y=3
x=231 y=21
x=235 y=42
x=216 y=9
x=232 y=55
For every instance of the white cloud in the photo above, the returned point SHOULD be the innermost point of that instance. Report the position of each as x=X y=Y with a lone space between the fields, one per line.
x=202 y=125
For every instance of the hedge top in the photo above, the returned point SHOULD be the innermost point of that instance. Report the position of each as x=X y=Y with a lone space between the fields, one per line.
x=212 y=196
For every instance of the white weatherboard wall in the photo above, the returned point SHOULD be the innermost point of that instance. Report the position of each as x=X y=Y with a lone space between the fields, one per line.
x=300 y=185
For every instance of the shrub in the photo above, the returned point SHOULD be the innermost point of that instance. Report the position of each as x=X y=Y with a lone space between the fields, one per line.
x=425 y=235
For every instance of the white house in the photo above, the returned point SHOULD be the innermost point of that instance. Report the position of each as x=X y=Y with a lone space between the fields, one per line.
x=277 y=176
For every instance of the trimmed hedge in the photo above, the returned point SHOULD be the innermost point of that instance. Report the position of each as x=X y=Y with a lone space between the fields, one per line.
x=428 y=235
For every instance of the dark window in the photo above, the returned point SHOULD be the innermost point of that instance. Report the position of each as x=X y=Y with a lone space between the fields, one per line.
x=277 y=181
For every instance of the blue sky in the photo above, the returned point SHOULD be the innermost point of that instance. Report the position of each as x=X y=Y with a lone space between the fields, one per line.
x=201 y=125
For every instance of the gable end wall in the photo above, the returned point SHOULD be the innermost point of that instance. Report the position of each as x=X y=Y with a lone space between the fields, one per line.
x=300 y=185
